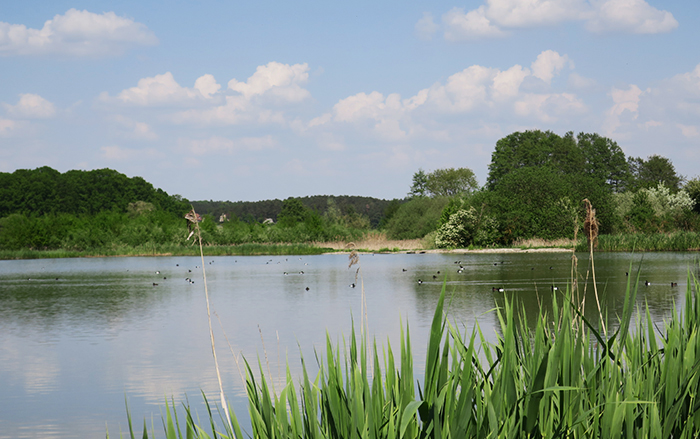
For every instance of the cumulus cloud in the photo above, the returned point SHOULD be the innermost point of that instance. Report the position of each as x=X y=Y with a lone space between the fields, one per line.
x=276 y=79
x=623 y=101
x=632 y=16
x=31 y=106
x=163 y=89
x=548 y=64
x=76 y=33
x=425 y=27
x=7 y=126
x=134 y=129
x=255 y=100
x=474 y=89
x=469 y=26
x=496 y=18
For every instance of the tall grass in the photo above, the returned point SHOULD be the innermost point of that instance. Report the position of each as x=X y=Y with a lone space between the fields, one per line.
x=627 y=242
x=565 y=378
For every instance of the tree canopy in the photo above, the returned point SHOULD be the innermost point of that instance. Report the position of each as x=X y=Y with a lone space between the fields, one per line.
x=443 y=182
x=46 y=191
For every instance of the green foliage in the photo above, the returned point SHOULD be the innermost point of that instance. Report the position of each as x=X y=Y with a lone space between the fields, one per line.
x=467 y=227
x=653 y=171
x=564 y=378
x=692 y=187
x=419 y=187
x=655 y=209
x=443 y=183
x=45 y=191
x=534 y=202
x=416 y=218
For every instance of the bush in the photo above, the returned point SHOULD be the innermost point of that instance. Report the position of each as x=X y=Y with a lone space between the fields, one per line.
x=416 y=218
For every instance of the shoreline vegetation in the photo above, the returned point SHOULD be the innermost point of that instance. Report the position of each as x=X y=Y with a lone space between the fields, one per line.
x=569 y=377
x=378 y=243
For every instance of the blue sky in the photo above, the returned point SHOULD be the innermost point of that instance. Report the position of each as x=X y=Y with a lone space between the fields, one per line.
x=258 y=100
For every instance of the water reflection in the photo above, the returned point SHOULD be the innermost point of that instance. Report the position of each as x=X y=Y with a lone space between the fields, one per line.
x=76 y=335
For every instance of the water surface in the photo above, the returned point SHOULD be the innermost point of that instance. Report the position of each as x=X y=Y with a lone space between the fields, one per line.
x=77 y=336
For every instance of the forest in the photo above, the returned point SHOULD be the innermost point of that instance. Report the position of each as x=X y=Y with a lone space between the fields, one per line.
x=535 y=189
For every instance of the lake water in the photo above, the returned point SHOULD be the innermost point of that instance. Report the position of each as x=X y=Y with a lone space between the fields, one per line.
x=77 y=336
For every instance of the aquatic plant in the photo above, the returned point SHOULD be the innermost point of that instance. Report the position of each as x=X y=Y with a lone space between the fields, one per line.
x=565 y=378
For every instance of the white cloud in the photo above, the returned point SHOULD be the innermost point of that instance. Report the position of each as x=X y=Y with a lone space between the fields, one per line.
x=580 y=82
x=7 y=126
x=507 y=84
x=548 y=64
x=76 y=33
x=689 y=130
x=623 y=101
x=468 y=26
x=276 y=79
x=425 y=27
x=206 y=85
x=464 y=90
x=547 y=107
x=163 y=89
x=496 y=18
x=530 y=13
x=31 y=106
x=633 y=16
x=135 y=130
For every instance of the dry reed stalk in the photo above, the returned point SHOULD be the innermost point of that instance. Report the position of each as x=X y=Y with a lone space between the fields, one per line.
x=235 y=357
x=269 y=372
x=354 y=259
x=590 y=226
x=192 y=218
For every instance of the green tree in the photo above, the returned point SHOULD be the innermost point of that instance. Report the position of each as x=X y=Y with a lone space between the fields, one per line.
x=534 y=149
x=693 y=189
x=449 y=182
x=293 y=212
x=604 y=160
x=652 y=171
x=419 y=188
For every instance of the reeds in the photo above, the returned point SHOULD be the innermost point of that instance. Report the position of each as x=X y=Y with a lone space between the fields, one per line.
x=565 y=378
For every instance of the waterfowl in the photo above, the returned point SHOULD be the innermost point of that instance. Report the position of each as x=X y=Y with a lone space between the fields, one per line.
x=155 y=284
x=352 y=285
x=555 y=288
x=500 y=290
x=403 y=269
x=674 y=284
x=647 y=283
x=307 y=288
x=420 y=281
x=434 y=277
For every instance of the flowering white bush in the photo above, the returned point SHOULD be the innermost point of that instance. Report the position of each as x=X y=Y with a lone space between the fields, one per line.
x=466 y=227
x=661 y=199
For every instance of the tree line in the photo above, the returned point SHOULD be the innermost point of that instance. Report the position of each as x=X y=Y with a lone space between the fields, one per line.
x=535 y=187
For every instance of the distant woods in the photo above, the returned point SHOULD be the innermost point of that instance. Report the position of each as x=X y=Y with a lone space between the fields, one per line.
x=536 y=184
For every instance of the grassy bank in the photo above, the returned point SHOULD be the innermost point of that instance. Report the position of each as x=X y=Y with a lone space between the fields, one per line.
x=641 y=242
x=564 y=379
x=171 y=250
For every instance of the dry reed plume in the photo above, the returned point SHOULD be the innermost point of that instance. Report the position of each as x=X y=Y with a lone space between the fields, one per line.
x=590 y=227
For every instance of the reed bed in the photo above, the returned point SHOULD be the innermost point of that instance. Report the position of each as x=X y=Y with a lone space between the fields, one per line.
x=171 y=250
x=676 y=241
x=565 y=378
x=376 y=241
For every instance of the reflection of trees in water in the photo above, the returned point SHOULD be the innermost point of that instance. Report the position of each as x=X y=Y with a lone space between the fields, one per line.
x=97 y=301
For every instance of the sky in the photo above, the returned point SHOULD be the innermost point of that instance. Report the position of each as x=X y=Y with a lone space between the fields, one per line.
x=245 y=101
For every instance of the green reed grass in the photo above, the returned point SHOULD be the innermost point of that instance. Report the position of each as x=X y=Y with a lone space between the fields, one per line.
x=565 y=378
x=627 y=242
x=171 y=250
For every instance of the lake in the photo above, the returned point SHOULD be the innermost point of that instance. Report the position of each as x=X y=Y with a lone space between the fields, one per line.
x=77 y=336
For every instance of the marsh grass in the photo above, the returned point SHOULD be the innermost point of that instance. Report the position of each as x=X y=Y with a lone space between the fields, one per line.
x=564 y=378
x=374 y=241
x=171 y=250
x=627 y=242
